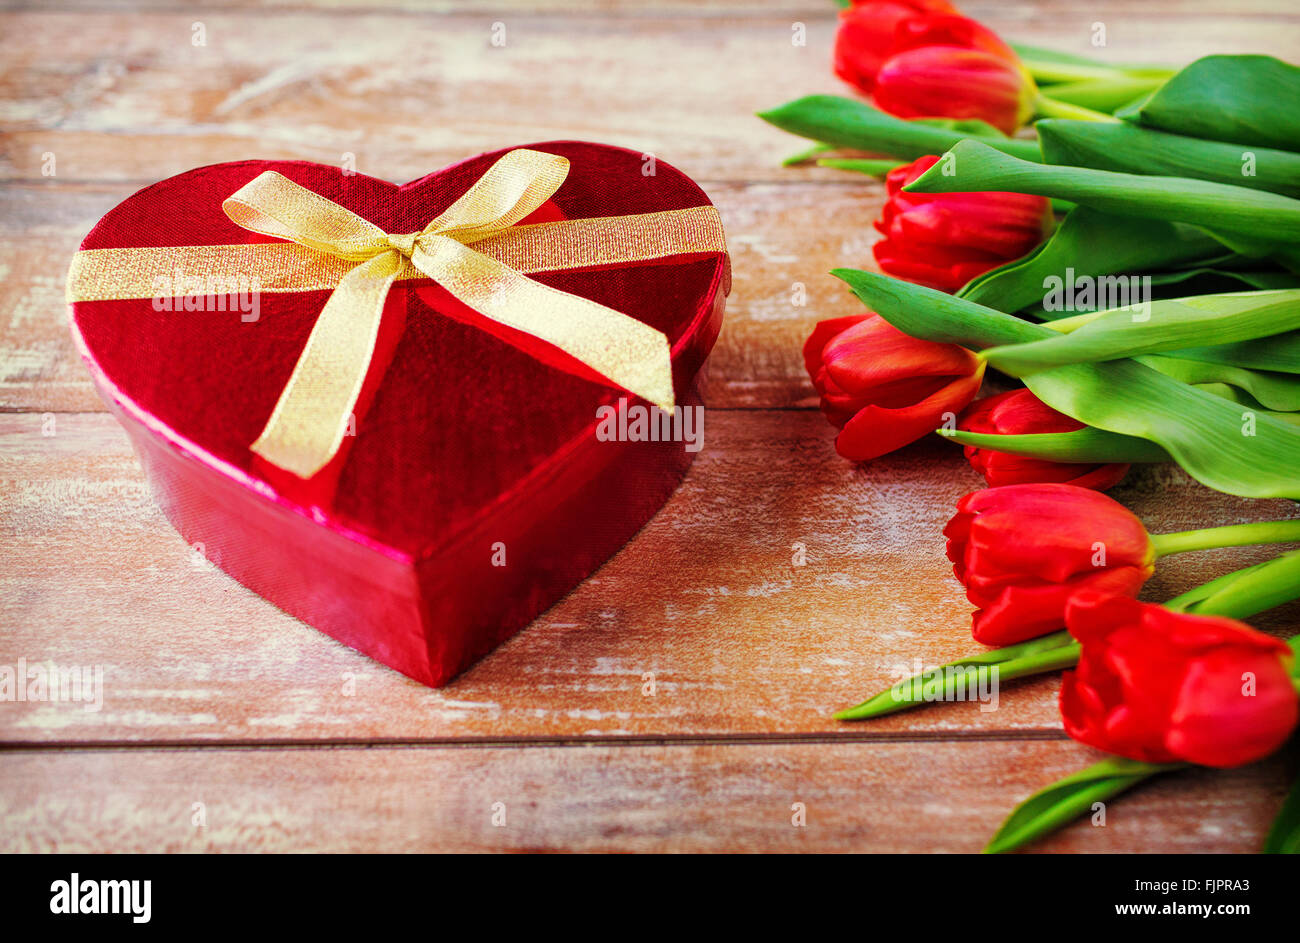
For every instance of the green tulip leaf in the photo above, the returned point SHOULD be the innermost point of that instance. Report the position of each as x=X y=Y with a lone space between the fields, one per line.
x=1284 y=836
x=1246 y=100
x=1091 y=243
x=844 y=122
x=1280 y=352
x=1201 y=280
x=1235 y=215
x=961 y=680
x=1132 y=149
x=1270 y=390
x=1082 y=446
x=1260 y=280
x=1065 y=800
x=1214 y=440
x=1249 y=404
x=1242 y=452
x=1171 y=324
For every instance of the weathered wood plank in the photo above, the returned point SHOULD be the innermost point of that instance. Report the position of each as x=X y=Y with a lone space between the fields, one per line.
x=776 y=233
x=707 y=598
x=129 y=97
x=856 y=797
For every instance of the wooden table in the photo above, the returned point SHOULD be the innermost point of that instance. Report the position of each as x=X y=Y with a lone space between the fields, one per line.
x=228 y=725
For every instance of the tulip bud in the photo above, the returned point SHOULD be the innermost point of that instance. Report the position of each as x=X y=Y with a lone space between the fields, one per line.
x=883 y=388
x=1022 y=551
x=951 y=82
x=1020 y=412
x=943 y=240
x=866 y=36
x=1166 y=687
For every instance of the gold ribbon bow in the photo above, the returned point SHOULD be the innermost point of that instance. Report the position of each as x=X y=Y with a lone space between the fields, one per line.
x=475 y=250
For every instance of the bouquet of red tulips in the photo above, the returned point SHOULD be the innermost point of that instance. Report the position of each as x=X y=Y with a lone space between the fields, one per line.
x=1123 y=244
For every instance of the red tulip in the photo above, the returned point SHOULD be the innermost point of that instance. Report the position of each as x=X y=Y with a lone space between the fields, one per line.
x=883 y=388
x=937 y=29
x=952 y=82
x=1020 y=412
x=866 y=36
x=1022 y=551
x=943 y=240
x=1166 y=687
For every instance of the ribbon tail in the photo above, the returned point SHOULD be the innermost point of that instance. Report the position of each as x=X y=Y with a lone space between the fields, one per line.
x=626 y=352
x=310 y=419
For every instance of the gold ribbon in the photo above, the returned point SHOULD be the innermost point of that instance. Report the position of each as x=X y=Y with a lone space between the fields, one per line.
x=475 y=250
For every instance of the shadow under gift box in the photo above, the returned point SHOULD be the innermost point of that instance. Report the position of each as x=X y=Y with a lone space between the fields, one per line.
x=399 y=561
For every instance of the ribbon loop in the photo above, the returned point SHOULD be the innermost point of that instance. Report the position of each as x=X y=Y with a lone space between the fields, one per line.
x=512 y=189
x=273 y=205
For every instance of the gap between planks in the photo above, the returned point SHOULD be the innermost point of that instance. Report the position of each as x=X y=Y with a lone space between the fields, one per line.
x=495 y=743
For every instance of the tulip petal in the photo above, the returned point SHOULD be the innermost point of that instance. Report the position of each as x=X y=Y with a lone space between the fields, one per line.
x=873 y=353
x=877 y=430
x=1220 y=720
x=823 y=334
x=1051 y=532
x=949 y=82
x=928 y=269
x=1020 y=412
x=1021 y=612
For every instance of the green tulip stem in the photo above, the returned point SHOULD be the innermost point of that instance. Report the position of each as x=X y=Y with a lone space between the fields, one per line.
x=806 y=155
x=872 y=167
x=1053 y=72
x=1234 y=535
x=1047 y=107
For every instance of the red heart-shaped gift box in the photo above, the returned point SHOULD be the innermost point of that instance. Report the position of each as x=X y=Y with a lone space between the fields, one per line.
x=476 y=491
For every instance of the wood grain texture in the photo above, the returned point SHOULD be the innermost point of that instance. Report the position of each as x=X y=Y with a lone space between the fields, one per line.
x=856 y=797
x=740 y=641
x=127 y=96
x=294 y=742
